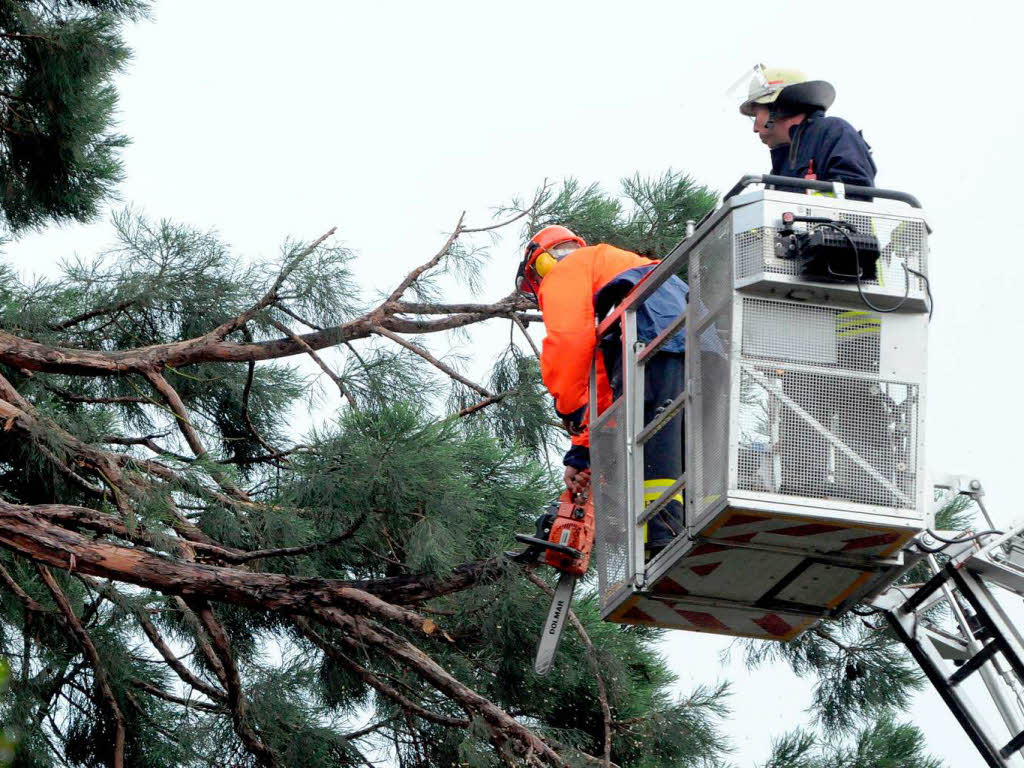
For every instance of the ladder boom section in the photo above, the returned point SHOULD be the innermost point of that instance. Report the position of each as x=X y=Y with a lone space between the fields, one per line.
x=975 y=639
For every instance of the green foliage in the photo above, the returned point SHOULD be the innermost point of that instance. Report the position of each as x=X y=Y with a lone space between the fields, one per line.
x=394 y=486
x=58 y=156
x=648 y=217
x=861 y=672
x=882 y=744
x=8 y=737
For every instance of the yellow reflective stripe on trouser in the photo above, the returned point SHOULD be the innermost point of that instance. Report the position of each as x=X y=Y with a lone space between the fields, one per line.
x=653 y=489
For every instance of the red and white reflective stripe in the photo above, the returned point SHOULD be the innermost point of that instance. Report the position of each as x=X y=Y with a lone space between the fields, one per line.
x=724 y=620
x=742 y=527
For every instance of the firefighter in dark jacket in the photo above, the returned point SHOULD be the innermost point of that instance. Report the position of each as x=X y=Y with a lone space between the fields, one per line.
x=788 y=111
x=576 y=285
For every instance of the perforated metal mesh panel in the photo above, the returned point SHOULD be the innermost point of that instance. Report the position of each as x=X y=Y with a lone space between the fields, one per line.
x=710 y=272
x=820 y=336
x=611 y=546
x=755 y=253
x=901 y=241
x=708 y=342
x=827 y=436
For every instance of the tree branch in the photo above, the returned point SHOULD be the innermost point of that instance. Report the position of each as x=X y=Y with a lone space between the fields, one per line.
x=373 y=681
x=76 y=398
x=270 y=296
x=236 y=696
x=29 y=603
x=23 y=531
x=479 y=405
x=526 y=334
x=413 y=276
x=505 y=730
x=183 y=672
x=111 y=309
x=33 y=356
x=317 y=359
x=152 y=690
x=177 y=405
x=259 y=554
x=432 y=360
x=99 y=671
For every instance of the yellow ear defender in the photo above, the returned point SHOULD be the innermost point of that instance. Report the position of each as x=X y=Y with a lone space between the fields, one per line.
x=544 y=263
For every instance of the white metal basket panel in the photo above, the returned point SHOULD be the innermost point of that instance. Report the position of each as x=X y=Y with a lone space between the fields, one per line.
x=902 y=241
x=829 y=437
x=608 y=484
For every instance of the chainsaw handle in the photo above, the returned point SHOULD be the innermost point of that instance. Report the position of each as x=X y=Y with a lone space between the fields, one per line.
x=533 y=541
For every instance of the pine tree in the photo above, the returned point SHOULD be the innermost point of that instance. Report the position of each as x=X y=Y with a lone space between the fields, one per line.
x=58 y=156
x=189 y=579
x=185 y=584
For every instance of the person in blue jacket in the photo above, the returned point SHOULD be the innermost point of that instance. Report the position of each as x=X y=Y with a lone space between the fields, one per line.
x=789 y=117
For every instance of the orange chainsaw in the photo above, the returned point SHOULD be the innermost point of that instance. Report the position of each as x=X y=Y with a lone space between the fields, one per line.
x=565 y=537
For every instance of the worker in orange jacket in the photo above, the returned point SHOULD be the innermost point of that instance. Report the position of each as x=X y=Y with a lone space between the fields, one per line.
x=575 y=286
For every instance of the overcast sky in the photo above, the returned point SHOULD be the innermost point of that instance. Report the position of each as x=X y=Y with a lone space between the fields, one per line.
x=273 y=120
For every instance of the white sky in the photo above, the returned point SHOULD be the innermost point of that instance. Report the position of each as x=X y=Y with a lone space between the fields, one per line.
x=269 y=120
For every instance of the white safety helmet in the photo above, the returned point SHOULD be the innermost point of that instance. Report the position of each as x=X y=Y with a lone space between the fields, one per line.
x=786 y=90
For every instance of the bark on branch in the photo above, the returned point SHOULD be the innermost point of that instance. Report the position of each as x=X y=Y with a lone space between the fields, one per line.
x=236 y=695
x=107 y=697
x=31 y=535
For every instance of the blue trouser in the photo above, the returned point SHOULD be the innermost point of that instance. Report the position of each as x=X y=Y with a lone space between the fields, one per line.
x=664 y=460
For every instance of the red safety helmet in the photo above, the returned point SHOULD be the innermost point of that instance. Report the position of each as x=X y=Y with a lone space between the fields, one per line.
x=542 y=253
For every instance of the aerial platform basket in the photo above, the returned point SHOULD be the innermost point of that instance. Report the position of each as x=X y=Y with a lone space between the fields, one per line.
x=804 y=413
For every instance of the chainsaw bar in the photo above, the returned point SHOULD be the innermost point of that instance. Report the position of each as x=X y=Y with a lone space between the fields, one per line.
x=557 y=615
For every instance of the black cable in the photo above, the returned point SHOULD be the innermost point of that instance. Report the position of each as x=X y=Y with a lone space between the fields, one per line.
x=860 y=272
x=927 y=288
x=866 y=612
x=842 y=228
x=958 y=540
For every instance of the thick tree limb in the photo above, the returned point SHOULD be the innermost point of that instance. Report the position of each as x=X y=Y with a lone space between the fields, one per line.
x=99 y=671
x=27 y=534
x=31 y=355
x=514 y=302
